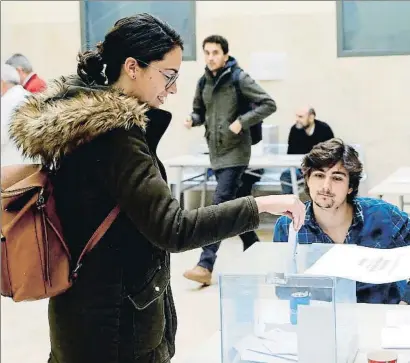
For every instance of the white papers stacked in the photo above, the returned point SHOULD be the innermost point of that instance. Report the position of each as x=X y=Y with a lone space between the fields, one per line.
x=280 y=347
x=274 y=339
x=396 y=334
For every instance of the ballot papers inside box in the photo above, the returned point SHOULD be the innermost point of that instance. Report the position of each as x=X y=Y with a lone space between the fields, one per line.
x=276 y=316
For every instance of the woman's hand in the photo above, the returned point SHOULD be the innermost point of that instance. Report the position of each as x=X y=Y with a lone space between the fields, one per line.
x=288 y=205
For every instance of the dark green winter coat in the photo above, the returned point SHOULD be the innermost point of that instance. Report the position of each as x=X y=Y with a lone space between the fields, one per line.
x=120 y=309
x=217 y=107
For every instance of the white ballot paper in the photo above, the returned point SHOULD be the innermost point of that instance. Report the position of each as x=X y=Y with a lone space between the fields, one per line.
x=292 y=246
x=364 y=264
x=396 y=333
x=292 y=240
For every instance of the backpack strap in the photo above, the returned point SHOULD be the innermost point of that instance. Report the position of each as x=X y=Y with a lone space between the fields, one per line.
x=235 y=75
x=98 y=234
x=201 y=84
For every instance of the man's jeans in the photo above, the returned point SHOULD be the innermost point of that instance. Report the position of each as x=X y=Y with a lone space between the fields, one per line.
x=286 y=178
x=229 y=186
x=248 y=180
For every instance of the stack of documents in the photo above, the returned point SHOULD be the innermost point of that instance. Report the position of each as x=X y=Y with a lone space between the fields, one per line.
x=279 y=348
x=396 y=333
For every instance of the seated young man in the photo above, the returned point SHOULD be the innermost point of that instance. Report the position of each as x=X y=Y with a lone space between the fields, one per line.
x=335 y=214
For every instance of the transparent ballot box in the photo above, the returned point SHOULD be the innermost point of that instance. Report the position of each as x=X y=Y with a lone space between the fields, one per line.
x=272 y=312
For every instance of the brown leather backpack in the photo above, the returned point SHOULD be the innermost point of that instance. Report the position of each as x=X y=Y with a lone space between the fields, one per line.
x=35 y=260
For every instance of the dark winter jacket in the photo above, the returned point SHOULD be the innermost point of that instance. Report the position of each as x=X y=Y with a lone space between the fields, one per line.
x=120 y=309
x=218 y=106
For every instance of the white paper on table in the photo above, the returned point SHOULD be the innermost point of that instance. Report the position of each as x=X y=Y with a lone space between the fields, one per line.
x=364 y=264
x=398 y=318
x=396 y=337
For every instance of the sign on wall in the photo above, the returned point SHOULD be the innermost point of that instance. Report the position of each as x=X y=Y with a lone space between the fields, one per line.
x=268 y=66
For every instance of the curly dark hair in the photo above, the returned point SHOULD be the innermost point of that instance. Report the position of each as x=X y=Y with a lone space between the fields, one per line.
x=326 y=155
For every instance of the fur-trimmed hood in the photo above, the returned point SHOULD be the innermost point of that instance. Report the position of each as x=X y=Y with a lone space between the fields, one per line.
x=68 y=114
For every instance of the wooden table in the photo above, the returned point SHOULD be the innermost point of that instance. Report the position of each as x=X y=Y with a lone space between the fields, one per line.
x=397 y=183
x=179 y=163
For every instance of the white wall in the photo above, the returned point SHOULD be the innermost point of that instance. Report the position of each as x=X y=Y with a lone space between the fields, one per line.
x=364 y=99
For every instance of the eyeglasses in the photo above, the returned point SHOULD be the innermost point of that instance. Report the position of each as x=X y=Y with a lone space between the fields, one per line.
x=171 y=79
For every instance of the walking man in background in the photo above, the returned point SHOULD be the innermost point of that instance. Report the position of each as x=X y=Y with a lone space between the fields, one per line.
x=217 y=105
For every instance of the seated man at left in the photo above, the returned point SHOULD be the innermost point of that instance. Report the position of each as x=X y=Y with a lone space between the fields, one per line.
x=335 y=214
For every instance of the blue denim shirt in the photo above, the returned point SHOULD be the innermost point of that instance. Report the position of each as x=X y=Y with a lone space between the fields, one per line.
x=376 y=224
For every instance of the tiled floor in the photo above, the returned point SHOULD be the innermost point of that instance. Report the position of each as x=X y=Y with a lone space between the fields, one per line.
x=24 y=329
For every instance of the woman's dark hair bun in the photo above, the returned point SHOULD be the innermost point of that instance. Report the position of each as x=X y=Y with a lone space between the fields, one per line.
x=90 y=67
x=142 y=37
